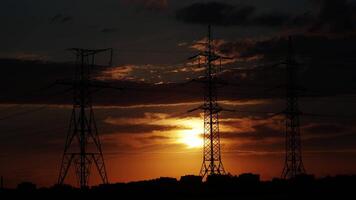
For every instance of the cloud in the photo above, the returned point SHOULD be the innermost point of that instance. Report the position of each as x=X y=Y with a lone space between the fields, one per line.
x=151 y=74
x=316 y=48
x=152 y=128
x=151 y=5
x=268 y=135
x=231 y=49
x=271 y=19
x=139 y=73
x=60 y=19
x=329 y=17
x=223 y=14
x=215 y=13
x=322 y=57
x=328 y=59
x=108 y=30
x=154 y=139
x=149 y=123
x=116 y=73
x=156 y=4
x=29 y=56
x=157 y=137
x=138 y=129
x=246 y=129
x=335 y=16
x=325 y=130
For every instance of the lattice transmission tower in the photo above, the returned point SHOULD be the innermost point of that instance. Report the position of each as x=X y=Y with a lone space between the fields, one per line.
x=212 y=164
x=293 y=148
x=82 y=147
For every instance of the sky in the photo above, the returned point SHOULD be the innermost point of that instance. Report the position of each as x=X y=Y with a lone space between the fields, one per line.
x=145 y=130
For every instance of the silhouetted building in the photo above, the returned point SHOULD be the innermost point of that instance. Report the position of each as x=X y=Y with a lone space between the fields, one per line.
x=62 y=187
x=303 y=178
x=26 y=186
x=245 y=186
x=164 y=181
x=220 y=179
x=191 y=180
x=249 y=178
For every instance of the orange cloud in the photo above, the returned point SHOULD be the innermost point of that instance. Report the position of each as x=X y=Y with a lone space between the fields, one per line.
x=226 y=49
x=116 y=73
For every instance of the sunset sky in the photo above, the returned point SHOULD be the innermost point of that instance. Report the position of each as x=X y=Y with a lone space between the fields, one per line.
x=145 y=130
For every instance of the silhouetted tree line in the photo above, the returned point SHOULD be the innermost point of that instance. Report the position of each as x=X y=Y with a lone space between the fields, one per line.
x=245 y=186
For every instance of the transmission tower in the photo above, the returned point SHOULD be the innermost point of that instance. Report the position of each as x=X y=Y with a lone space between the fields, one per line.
x=212 y=164
x=82 y=146
x=293 y=159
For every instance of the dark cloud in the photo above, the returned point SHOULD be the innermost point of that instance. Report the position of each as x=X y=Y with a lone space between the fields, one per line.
x=56 y=18
x=315 y=47
x=136 y=128
x=271 y=19
x=334 y=142
x=335 y=16
x=326 y=129
x=282 y=19
x=322 y=57
x=40 y=77
x=215 y=13
x=222 y=14
x=157 y=137
x=108 y=30
x=236 y=47
x=329 y=17
x=151 y=5
x=155 y=4
x=60 y=18
x=262 y=137
x=260 y=132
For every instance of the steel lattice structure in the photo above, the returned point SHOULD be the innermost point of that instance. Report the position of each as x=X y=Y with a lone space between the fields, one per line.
x=82 y=147
x=212 y=164
x=293 y=149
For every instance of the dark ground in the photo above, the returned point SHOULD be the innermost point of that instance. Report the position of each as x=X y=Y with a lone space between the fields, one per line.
x=245 y=186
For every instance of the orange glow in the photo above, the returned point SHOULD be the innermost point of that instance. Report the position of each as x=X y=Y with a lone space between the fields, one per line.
x=191 y=136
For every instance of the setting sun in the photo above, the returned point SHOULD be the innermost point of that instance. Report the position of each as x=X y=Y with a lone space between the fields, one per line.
x=192 y=137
